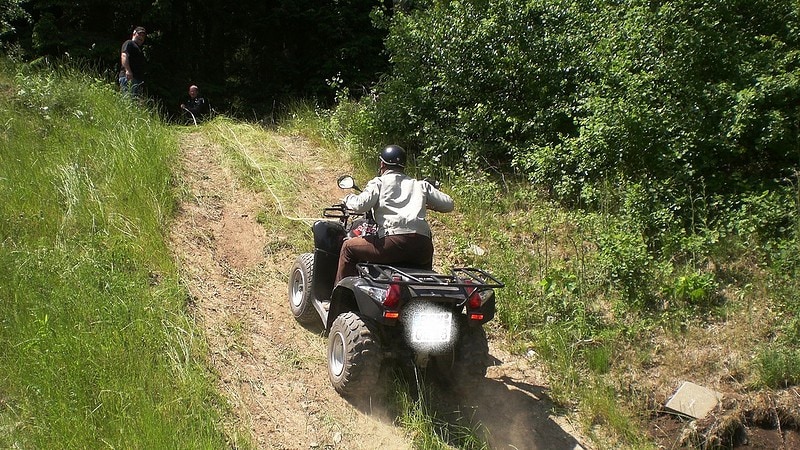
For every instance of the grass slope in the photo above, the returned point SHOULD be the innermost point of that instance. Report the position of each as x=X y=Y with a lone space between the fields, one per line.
x=96 y=349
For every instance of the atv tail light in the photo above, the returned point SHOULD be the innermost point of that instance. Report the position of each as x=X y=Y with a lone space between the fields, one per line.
x=392 y=299
x=473 y=295
x=476 y=316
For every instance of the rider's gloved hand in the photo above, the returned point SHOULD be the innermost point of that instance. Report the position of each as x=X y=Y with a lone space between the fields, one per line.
x=345 y=198
x=433 y=182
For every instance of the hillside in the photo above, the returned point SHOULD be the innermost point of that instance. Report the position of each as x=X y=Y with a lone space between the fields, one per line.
x=271 y=369
x=596 y=327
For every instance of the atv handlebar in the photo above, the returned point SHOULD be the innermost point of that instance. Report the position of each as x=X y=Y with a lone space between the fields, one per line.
x=338 y=211
x=341 y=212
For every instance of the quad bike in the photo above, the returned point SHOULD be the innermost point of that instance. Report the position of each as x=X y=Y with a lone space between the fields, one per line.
x=389 y=312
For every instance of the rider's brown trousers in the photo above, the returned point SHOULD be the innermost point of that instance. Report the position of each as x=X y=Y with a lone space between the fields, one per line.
x=401 y=249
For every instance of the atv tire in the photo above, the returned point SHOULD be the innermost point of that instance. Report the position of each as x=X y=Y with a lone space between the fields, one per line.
x=354 y=356
x=472 y=354
x=301 y=295
x=467 y=361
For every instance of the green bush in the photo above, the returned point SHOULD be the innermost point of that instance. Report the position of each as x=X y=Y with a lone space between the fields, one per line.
x=576 y=95
x=475 y=81
x=778 y=368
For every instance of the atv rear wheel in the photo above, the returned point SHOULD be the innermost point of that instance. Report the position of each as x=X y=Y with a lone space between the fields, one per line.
x=472 y=354
x=354 y=356
x=468 y=360
x=301 y=295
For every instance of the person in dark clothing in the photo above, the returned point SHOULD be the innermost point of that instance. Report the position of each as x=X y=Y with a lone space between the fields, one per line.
x=131 y=77
x=195 y=106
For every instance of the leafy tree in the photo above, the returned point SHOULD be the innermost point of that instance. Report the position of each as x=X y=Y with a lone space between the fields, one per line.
x=10 y=11
x=579 y=93
x=481 y=79
x=246 y=55
x=688 y=91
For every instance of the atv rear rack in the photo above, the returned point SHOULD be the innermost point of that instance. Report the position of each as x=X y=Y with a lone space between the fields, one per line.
x=466 y=277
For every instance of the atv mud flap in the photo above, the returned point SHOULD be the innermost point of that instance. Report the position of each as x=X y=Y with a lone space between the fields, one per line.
x=324 y=273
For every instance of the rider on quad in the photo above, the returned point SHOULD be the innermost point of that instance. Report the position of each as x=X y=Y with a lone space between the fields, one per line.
x=398 y=203
x=376 y=294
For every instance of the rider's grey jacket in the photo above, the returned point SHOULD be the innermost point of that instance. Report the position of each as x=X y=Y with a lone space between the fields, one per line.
x=399 y=203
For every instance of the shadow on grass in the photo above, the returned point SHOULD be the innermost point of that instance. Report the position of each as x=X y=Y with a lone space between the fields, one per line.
x=512 y=414
x=503 y=412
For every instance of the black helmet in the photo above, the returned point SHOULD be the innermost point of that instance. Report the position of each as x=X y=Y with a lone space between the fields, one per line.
x=393 y=155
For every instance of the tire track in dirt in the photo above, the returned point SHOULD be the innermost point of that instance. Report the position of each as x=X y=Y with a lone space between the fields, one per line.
x=271 y=370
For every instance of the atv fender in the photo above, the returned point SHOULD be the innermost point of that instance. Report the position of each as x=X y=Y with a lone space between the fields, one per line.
x=325 y=264
x=347 y=296
x=328 y=236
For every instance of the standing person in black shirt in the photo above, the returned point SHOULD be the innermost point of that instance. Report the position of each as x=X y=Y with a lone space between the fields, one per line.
x=131 y=76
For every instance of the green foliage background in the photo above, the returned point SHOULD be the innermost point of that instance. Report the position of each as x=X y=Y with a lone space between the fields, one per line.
x=680 y=116
x=577 y=93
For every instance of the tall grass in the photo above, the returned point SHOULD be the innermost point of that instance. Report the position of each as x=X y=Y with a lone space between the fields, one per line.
x=96 y=349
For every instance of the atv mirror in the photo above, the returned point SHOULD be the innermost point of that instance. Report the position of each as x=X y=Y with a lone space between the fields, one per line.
x=347 y=182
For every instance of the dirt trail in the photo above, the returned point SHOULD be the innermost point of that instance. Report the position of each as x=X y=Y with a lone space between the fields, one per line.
x=272 y=371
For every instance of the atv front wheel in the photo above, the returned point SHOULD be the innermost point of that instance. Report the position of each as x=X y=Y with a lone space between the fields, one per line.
x=301 y=294
x=354 y=356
